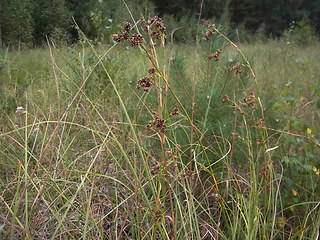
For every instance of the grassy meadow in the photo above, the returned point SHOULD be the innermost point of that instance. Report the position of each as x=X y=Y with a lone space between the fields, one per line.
x=202 y=140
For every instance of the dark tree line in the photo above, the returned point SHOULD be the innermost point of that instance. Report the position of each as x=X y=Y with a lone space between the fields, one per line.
x=28 y=22
x=276 y=15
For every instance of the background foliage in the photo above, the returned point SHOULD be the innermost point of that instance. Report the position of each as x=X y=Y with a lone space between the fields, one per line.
x=28 y=22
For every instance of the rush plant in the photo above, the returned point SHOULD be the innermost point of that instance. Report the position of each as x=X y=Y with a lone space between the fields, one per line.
x=149 y=140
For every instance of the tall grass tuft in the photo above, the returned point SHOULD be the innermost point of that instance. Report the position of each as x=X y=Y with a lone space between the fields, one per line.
x=146 y=139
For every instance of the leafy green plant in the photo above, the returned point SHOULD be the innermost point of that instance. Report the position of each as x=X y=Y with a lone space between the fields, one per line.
x=300 y=33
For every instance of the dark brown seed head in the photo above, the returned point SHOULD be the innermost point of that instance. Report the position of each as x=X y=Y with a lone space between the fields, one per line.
x=217 y=54
x=175 y=111
x=146 y=83
x=127 y=27
x=225 y=99
x=117 y=37
x=205 y=23
x=136 y=39
x=125 y=35
x=151 y=70
x=208 y=35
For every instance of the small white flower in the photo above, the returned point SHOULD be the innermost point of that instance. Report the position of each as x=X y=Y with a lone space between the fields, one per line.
x=20 y=110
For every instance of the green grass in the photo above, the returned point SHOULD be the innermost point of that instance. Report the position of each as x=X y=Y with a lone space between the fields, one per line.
x=91 y=158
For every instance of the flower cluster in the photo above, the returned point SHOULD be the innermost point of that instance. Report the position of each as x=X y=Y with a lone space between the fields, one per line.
x=175 y=111
x=211 y=29
x=171 y=154
x=215 y=55
x=225 y=99
x=125 y=35
x=158 y=123
x=236 y=67
x=236 y=106
x=146 y=83
x=135 y=40
x=156 y=214
x=258 y=122
x=151 y=70
x=118 y=37
x=188 y=174
x=160 y=32
x=127 y=27
x=155 y=169
x=249 y=102
x=261 y=141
